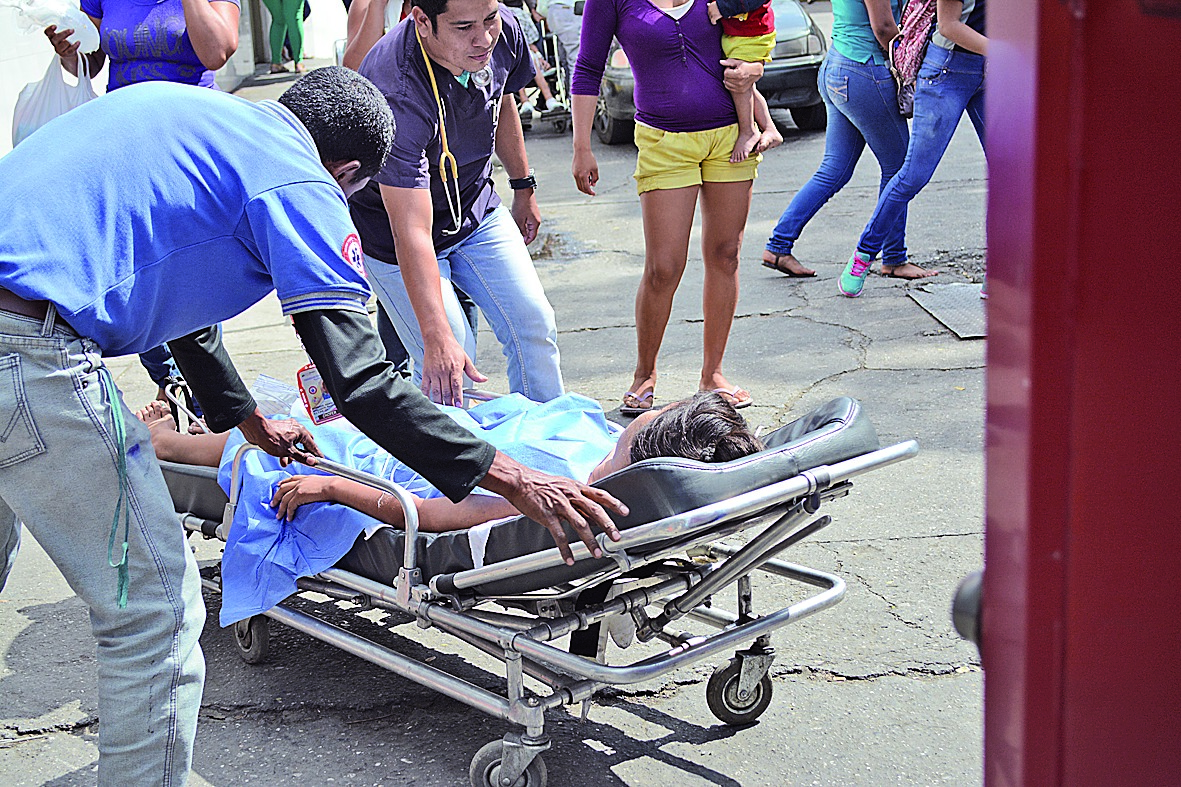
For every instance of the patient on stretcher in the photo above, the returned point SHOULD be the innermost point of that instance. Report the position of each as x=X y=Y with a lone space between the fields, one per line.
x=569 y=437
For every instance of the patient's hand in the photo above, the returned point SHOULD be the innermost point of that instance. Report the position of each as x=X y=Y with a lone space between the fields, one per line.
x=298 y=490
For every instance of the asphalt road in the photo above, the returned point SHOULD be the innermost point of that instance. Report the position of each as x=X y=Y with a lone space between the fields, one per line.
x=876 y=691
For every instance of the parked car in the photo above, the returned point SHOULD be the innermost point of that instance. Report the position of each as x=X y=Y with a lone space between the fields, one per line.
x=788 y=81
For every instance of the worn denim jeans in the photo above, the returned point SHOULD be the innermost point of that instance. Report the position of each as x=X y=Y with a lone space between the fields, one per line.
x=493 y=267
x=862 y=109
x=58 y=473
x=950 y=83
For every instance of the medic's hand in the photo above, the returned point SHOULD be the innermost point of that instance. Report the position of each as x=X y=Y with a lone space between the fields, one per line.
x=281 y=438
x=444 y=363
x=552 y=500
x=299 y=490
x=586 y=171
x=526 y=214
x=740 y=76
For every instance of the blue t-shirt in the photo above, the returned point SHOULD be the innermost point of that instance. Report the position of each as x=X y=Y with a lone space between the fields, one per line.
x=396 y=66
x=852 y=34
x=146 y=42
x=160 y=209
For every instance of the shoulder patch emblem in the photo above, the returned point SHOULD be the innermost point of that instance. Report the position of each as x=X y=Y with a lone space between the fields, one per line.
x=351 y=251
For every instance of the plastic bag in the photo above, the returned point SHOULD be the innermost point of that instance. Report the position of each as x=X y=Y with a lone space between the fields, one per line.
x=36 y=15
x=42 y=101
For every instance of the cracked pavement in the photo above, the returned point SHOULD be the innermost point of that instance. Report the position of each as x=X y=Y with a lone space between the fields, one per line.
x=878 y=690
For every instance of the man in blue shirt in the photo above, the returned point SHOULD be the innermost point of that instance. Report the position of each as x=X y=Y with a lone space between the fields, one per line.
x=177 y=184
x=431 y=218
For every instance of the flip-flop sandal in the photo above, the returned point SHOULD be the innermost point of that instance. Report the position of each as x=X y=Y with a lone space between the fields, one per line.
x=636 y=404
x=775 y=266
x=732 y=395
x=888 y=272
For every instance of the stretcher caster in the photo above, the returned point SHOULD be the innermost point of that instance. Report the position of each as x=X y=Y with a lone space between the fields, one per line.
x=253 y=638
x=486 y=768
x=730 y=700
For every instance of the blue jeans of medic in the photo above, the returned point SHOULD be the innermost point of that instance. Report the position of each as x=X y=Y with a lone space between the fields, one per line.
x=58 y=476
x=862 y=110
x=492 y=266
x=950 y=83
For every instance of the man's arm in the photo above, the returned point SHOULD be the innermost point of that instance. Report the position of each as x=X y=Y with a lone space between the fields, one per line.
x=510 y=149
x=444 y=362
x=227 y=403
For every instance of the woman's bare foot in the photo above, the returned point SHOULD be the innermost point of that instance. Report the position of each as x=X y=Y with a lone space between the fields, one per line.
x=744 y=146
x=787 y=265
x=770 y=138
x=279 y=69
x=156 y=415
x=300 y=68
x=907 y=270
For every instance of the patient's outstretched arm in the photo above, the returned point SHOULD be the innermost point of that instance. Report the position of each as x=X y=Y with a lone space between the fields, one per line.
x=435 y=515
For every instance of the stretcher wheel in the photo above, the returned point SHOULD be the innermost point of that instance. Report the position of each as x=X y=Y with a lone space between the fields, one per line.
x=485 y=770
x=253 y=638
x=721 y=694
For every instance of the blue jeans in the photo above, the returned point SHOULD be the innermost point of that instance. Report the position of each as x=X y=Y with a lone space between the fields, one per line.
x=58 y=476
x=862 y=109
x=493 y=267
x=950 y=83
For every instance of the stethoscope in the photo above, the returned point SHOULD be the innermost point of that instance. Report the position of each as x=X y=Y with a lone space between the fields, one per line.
x=448 y=168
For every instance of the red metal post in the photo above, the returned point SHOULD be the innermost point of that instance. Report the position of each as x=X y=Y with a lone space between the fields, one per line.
x=1082 y=589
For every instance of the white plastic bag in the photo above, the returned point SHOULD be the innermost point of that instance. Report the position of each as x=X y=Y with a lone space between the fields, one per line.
x=42 y=101
x=36 y=15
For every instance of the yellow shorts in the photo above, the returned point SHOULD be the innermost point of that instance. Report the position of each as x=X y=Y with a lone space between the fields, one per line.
x=675 y=159
x=752 y=49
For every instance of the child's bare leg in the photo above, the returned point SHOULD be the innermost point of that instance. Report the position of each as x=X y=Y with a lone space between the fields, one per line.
x=770 y=138
x=748 y=135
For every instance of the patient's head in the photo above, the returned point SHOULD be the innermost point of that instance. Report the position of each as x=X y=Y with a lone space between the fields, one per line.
x=704 y=427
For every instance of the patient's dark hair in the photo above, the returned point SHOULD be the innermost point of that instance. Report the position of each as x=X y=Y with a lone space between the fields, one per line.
x=347 y=116
x=704 y=427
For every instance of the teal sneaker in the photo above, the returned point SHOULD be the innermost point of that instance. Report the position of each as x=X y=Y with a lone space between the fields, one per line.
x=852 y=279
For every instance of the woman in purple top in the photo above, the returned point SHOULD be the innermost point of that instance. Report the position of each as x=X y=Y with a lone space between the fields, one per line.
x=685 y=131
x=156 y=40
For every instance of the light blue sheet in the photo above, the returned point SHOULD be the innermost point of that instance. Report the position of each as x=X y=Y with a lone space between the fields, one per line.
x=264 y=556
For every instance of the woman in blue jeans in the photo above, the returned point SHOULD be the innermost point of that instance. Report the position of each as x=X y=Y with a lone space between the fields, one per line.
x=859 y=94
x=951 y=82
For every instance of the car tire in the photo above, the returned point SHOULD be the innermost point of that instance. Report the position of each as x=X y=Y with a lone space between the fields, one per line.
x=609 y=130
x=813 y=118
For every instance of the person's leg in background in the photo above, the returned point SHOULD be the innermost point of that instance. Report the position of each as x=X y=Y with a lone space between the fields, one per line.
x=395 y=351
x=150 y=666
x=10 y=541
x=386 y=281
x=856 y=116
x=948 y=83
x=492 y=266
x=567 y=27
x=278 y=34
x=293 y=16
x=724 y=209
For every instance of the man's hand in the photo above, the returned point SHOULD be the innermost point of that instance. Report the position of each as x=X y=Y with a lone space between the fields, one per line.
x=740 y=76
x=299 y=490
x=444 y=363
x=526 y=214
x=551 y=501
x=281 y=438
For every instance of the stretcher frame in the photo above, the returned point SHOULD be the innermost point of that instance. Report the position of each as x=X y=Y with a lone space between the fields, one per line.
x=775 y=515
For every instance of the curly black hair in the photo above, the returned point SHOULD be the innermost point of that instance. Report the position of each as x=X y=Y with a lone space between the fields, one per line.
x=704 y=427
x=347 y=116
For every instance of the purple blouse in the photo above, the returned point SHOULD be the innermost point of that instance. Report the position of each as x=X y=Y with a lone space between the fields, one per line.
x=676 y=62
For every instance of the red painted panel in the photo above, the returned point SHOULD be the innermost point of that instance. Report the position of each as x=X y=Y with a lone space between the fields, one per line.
x=1083 y=550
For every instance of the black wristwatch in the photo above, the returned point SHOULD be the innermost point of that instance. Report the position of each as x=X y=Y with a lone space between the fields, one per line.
x=527 y=182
